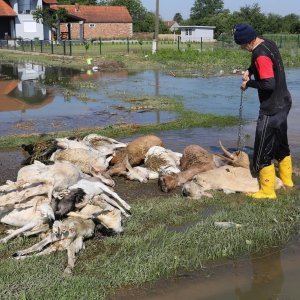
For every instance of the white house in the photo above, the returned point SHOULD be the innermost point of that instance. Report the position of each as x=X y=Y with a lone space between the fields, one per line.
x=17 y=19
x=196 y=33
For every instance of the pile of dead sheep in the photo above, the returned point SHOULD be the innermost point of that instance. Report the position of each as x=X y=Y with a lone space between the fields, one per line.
x=66 y=187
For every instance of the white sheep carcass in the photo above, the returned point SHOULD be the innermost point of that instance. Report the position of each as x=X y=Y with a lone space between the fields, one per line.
x=226 y=178
x=68 y=234
x=89 y=161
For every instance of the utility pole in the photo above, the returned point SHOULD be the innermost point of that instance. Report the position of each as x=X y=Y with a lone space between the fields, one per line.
x=155 y=41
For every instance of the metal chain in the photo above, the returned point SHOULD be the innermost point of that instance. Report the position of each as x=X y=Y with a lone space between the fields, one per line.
x=239 y=141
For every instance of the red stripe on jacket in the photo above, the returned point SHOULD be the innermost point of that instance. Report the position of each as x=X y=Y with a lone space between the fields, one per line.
x=264 y=66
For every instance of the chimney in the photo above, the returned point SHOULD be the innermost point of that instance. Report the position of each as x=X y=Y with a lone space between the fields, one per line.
x=76 y=7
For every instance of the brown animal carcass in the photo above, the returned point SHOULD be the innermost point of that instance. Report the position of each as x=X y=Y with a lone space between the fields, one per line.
x=194 y=160
x=135 y=152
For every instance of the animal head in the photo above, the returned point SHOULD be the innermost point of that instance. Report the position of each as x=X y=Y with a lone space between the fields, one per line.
x=111 y=219
x=168 y=182
x=64 y=231
x=237 y=158
x=137 y=173
x=192 y=189
x=60 y=230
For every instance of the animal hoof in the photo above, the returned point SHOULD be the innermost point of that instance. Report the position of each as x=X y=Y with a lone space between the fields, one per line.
x=68 y=271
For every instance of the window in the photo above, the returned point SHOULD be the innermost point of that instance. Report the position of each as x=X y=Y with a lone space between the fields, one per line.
x=26 y=6
x=188 y=31
x=92 y=25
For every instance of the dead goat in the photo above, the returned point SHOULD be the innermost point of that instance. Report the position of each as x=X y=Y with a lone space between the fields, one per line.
x=63 y=205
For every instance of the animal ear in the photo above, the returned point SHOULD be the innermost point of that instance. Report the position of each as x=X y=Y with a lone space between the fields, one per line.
x=93 y=166
x=218 y=161
x=127 y=164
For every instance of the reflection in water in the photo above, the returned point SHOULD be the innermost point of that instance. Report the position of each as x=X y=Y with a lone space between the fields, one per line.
x=267 y=279
x=23 y=89
x=271 y=277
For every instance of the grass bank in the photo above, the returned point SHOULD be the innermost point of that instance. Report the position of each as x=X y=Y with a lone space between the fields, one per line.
x=164 y=236
x=207 y=62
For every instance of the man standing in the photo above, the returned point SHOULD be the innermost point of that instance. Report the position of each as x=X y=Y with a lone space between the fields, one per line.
x=271 y=140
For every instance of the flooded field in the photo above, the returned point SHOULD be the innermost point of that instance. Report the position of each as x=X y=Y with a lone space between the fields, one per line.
x=31 y=100
x=42 y=99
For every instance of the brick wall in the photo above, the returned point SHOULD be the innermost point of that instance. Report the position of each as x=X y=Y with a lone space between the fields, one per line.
x=103 y=30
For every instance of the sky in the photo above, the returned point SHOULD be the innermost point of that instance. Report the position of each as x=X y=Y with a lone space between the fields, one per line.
x=168 y=8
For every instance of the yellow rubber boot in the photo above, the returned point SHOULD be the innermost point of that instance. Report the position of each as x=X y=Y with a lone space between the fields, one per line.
x=267 y=179
x=285 y=171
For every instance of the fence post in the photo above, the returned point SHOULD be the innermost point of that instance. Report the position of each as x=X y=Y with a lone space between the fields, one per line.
x=51 y=44
x=201 y=44
x=15 y=43
x=7 y=43
x=64 y=44
x=70 y=46
x=23 y=46
x=41 y=42
x=298 y=43
x=100 y=46
x=128 y=45
x=178 y=41
x=31 y=45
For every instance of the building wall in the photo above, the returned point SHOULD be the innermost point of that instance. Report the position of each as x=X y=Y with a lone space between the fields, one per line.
x=99 y=30
x=195 y=34
x=26 y=26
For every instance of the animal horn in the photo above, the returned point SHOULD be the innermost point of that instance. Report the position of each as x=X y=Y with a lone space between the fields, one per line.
x=226 y=151
x=224 y=157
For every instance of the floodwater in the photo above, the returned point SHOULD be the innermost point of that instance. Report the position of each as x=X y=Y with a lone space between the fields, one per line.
x=31 y=100
x=270 y=277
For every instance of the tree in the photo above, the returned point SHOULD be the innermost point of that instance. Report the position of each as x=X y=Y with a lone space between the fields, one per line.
x=273 y=24
x=252 y=15
x=148 y=24
x=206 y=8
x=178 y=18
x=50 y=18
x=290 y=23
x=136 y=9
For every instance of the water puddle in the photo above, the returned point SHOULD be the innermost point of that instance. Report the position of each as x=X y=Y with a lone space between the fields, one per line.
x=35 y=98
x=272 y=276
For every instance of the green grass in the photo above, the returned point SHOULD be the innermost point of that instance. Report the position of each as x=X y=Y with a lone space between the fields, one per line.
x=164 y=236
x=212 y=56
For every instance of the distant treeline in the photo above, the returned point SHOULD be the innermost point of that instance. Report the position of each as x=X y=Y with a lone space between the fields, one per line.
x=204 y=12
x=224 y=20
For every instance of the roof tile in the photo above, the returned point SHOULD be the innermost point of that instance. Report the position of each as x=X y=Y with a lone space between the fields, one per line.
x=98 y=14
x=6 y=10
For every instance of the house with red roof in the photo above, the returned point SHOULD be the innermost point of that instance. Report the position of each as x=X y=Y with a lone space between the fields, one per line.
x=84 y=21
x=7 y=18
x=172 y=25
x=96 y=22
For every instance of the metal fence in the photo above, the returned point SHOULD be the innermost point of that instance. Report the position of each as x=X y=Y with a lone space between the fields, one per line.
x=126 y=46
